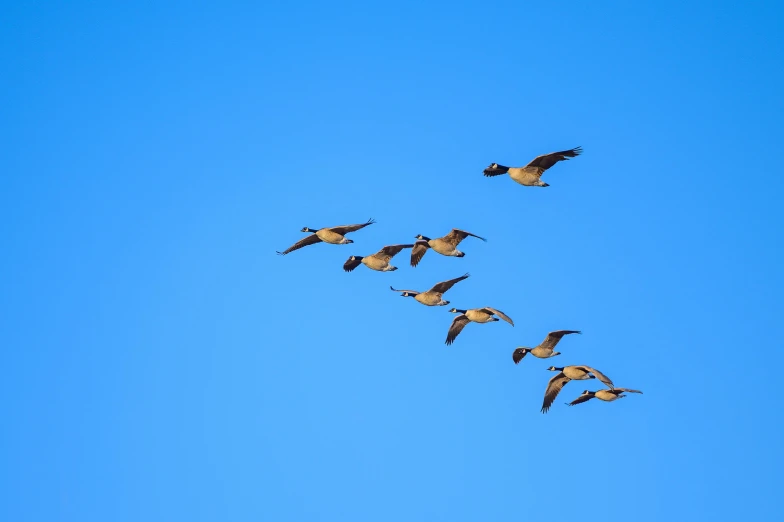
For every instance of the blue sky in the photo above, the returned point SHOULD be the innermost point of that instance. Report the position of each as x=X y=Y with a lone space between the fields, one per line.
x=162 y=363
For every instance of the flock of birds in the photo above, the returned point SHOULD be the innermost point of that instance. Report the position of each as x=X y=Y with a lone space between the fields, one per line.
x=530 y=176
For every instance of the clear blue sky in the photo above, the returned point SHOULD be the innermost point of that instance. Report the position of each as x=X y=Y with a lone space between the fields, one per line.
x=161 y=363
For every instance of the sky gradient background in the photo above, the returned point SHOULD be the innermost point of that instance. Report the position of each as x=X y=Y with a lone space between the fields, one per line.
x=161 y=363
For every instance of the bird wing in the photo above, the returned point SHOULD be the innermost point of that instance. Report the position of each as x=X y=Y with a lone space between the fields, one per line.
x=599 y=375
x=345 y=229
x=545 y=161
x=553 y=389
x=500 y=314
x=309 y=240
x=582 y=398
x=418 y=252
x=626 y=390
x=553 y=337
x=409 y=291
x=390 y=251
x=456 y=327
x=518 y=355
x=495 y=171
x=456 y=235
x=351 y=264
x=443 y=286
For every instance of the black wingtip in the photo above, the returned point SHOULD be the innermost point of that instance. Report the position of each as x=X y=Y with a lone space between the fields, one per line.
x=351 y=264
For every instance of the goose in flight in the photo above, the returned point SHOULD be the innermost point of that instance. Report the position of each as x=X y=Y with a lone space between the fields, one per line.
x=446 y=246
x=378 y=261
x=434 y=296
x=531 y=174
x=476 y=315
x=566 y=374
x=605 y=395
x=545 y=349
x=332 y=235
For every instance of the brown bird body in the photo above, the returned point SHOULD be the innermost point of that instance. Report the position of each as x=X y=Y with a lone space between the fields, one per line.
x=378 y=261
x=331 y=235
x=531 y=174
x=434 y=296
x=566 y=374
x=545 y=349
x=446 y=246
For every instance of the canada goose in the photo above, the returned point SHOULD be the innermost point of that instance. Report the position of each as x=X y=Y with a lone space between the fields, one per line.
x=566 y=374
x=434 y=296
x=378 y=261
x=605 y=395
x=446 y=246
x=531 y=174
x=332 y=235
x=544 y=350
x=476 y=315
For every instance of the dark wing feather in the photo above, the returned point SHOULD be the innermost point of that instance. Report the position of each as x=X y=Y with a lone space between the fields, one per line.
x=553 y=389
x=496 y=170
x=545 y=161
x=599 y=375
x=443 y=286
x=414 y=292
x=390 y=251
x=500 y=314
x=345 y=229
x=310 y=240
x=351 y=264
x=418 y=252
x=625 y=390
x=518 y=355
x=553 y=337
x=582 y=398
x=456 y=327
x=456 y=235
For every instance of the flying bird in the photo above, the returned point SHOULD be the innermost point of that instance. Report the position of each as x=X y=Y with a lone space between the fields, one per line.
x=566 y=374
x=605 y=395
x=332 y=235
x=545 y=349
x=434 y=296
x=531 y=174
x=378 y=261
x=476 y=315
x=446 y=246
